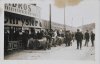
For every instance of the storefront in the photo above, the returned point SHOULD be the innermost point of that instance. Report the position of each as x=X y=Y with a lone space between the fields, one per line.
x=19 y=18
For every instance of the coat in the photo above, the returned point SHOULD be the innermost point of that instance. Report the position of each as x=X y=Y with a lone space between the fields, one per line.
x=68 y=36
x=92 y=36
x=87 y=36
x=78 y=36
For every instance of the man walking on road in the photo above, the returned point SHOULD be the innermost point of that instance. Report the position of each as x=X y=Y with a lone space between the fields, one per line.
x=92 y=38
x=79 y=37
x=86 y=38
x=68 y=38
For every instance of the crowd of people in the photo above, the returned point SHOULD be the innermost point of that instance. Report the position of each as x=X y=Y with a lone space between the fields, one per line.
x=79 y=37
x=51 y=36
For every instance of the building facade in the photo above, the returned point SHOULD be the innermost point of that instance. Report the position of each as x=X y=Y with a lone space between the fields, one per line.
x=56 y=26
x=21 y=17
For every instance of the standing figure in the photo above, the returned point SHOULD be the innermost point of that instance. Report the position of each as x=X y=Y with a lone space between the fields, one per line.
x=68 y=38
x=73 y=36
x=54 y=38
x=86 y=38
x=38 y=35
x=79 y=37
x=25 y=37
x=33 y=34
x=58 y=33
x=6 y=43
x=41 y=35
x=48 y=41
x=30 y=44
x=92 y=38
x=16 y=35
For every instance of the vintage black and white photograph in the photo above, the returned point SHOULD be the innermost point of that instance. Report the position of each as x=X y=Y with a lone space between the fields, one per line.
x=58 y=30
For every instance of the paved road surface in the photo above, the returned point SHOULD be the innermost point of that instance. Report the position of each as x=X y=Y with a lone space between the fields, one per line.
x=56 y=53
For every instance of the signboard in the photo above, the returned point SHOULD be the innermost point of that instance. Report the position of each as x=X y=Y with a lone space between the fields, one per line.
x=22 y=22
x=23 y=9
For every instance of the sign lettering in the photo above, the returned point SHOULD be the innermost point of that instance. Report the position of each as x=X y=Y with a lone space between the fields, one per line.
x=24 y=9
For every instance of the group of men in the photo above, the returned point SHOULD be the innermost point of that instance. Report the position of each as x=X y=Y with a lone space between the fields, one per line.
x=79 y=36
x=68 y=37
x=87 y=37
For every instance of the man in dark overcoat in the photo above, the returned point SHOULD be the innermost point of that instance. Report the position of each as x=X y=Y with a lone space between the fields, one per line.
x=86 y=38
x=68 y=38
x=79 y=38
x=92 y=38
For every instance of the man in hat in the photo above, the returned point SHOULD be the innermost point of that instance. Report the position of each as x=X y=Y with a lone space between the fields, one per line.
x=86 y=38
x=79 y=37
x=68 y=38
x=92 y=38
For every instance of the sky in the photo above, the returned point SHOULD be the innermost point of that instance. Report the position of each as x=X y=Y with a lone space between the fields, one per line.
x=86 y=12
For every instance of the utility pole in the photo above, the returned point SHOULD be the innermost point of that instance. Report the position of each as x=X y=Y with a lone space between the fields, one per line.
x=64 y=19
x=82 y=23
x=72 y=22
x=50 y=16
